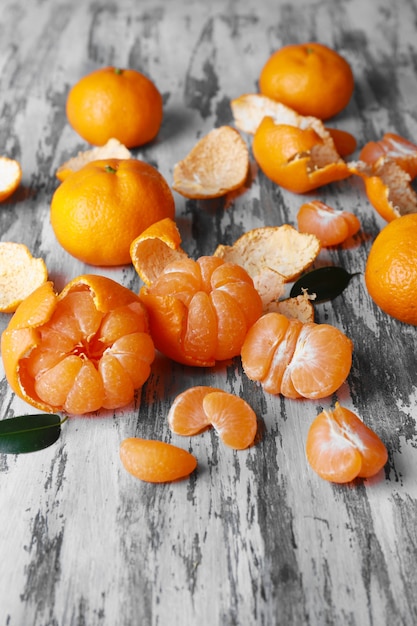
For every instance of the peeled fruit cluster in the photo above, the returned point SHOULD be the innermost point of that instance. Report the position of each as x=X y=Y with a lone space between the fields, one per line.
x=294 y=359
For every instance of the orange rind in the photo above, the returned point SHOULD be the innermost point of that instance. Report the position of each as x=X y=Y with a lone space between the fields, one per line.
x=217 y=165
x=113 y=149
x=272 y=256
x=10 y=177
x=20 y=274
x=249 y=110
x=392 y=147
x=298 y=307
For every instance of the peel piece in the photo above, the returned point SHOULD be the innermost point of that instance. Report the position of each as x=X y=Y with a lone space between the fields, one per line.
x=20 y=274
x=155 y=248
x=395 y=148
x=272 y=256
x=249 y=110
x=10 y=177
x=217 y=165
x=113 y=149
x=299 y=307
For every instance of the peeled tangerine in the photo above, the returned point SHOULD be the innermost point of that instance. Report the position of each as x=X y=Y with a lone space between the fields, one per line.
x=294 y=359
x=82 y=350
x=340 y=447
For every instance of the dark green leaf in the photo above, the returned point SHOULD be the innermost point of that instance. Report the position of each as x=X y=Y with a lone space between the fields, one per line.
x=326 y=282
x=29 y=433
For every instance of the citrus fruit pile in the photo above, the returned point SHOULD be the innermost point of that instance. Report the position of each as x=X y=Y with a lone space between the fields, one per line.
x=92 y=346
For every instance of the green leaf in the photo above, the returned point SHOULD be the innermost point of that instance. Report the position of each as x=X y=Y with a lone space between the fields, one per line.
x=326 y=282
x=29 y=433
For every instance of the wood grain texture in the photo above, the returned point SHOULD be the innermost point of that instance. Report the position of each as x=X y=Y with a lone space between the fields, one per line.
x=254 y=537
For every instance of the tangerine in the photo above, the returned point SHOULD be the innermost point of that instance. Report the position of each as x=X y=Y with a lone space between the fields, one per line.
x=156 y=461
x=294 y=359
x=391 y=269
x=311 y=78
x=99 y=210
x=340 y=447
x=84 y=349
x=331 y=226
x=201 y=407
x=113 y=102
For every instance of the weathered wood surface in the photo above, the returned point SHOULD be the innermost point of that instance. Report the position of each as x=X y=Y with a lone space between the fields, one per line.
x=255 y=537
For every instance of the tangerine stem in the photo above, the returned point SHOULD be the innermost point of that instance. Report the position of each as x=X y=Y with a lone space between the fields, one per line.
x=110 y=170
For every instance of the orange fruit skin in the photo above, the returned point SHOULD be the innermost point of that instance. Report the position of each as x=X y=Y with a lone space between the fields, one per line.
x=200 y=311
x=115 y=103
x=294 y=359
x=310 y=78
x=98 y=211
x=12 y=177
x=391 y=269
x=329 y=225
x=156 y=461
x=23 y=336
x=340 y=447
x=283 y=154
x=394 y=147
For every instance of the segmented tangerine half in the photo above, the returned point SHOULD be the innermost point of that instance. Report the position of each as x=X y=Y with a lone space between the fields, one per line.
x=294 y=359
x=201 y=407
x=156 y=461
x=340 y=447
x=82 y=350
x=331 y=226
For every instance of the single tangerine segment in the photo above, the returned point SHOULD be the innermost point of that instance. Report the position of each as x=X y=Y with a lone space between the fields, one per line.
x=340 y=447
x=198 y=408
x=311 y=78
x=20 y=274
x=294 y=359
x=186 y=415
x=297 y=159
x=84 y=349
x=199 y=311
x=113 y=149
x=217 y=165
x=156 y=461
x=331 y=226
x=10 y=177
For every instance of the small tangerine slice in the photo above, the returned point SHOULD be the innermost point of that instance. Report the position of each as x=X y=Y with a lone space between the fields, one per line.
x=272 y=256
x=10 y=177
x=295 y=359
x=331 y=226
x=156 y=461
x=340 y=447
x=198 y=408
x=217 y=165
x=20 y=274
x=298 y=160
x=186 y=415
x=113 y=149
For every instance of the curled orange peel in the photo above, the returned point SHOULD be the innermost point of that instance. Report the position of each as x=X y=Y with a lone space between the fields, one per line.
x=20 y=274
x=217 y=165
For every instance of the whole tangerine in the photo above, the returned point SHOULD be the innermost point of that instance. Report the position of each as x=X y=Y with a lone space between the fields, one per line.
x=99 y=210
x=311 y=78
x=391 y=269
x=115 y=103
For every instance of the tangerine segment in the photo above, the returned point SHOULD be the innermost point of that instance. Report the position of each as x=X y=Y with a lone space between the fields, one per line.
x=156 y=461
x=10 y=177
x=186 y=415
x=295 y=359
x=218 y=164
x=331 y=226
x=298 y=160
x=340 y=447
x=86 y=348
x=20 y=274
x=197 y=408
x=185 y=291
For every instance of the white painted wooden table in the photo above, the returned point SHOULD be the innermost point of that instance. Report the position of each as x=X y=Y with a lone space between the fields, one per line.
x=254 y=537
